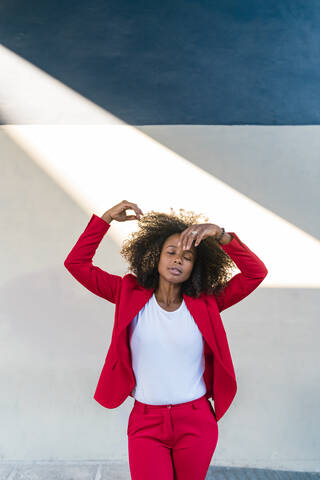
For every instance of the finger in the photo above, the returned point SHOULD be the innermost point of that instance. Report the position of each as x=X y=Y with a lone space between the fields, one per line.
x=182 y=239
x=136 y=208
x=130 y=206
x=195 y=238
x=185 y=235
x=198 y=240
x=188 y=241
x=139 y=209
x=191 y=239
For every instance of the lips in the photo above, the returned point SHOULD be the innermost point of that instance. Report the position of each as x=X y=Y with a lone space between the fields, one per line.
x=175 y=270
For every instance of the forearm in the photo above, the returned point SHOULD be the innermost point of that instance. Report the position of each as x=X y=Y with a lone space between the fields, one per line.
x=79 y=262
x=252 y=273
x=87 y=243
x=246 y=260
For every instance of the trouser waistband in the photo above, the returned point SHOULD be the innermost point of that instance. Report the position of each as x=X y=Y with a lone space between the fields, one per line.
x=147 y=406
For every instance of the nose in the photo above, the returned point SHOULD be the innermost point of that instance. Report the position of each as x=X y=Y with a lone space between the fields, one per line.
x=178 y=254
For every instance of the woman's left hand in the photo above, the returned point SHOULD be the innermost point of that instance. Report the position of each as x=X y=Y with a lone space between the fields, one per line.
x=203 y=230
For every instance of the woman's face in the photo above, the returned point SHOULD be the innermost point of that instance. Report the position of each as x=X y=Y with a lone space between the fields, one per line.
x=173 y=256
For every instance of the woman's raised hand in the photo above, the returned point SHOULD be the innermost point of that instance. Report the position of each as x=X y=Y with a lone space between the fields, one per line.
x=201 y=231
x=118 y=212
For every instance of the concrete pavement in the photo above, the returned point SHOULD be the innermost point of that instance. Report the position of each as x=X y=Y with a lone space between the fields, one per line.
x=120 y=471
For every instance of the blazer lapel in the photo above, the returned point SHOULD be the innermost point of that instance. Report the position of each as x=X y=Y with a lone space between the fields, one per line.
x=208 y=326
x=138 y=298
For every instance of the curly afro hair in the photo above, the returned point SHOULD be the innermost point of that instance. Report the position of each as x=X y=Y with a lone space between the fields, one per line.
x=212 y=267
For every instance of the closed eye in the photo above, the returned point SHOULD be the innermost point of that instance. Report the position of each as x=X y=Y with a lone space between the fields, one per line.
x=187 y=258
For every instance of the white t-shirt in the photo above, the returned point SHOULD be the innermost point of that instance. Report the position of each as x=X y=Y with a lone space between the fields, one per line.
x=167 y=350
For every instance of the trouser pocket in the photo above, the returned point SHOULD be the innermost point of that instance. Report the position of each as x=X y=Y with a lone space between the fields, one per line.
x=212 y=409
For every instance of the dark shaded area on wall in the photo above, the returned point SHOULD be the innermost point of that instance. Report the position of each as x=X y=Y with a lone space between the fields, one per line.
x=184 y=62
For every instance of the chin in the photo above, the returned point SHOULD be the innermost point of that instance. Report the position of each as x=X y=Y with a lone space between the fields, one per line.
x=175 y=280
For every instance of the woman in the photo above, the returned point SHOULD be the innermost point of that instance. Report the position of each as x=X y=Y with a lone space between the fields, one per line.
x=169 y=349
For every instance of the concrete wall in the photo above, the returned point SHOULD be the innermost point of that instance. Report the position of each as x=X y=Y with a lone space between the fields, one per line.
x=55 y=333
x=214 y=115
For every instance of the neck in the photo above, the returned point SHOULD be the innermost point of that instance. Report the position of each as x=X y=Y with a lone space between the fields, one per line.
x=168 y=294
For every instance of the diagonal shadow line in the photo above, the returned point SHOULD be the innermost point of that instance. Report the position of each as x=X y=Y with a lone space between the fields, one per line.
x=274 y=167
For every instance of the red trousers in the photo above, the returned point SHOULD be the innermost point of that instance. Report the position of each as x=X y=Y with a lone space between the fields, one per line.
x=171 y=442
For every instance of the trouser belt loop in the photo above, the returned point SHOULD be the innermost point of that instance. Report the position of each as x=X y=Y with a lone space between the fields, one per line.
x=194 y=406
x=145 y=409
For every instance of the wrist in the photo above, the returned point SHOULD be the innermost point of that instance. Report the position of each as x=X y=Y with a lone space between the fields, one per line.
x=107 y=217
x=219 y=235
x=226 y=238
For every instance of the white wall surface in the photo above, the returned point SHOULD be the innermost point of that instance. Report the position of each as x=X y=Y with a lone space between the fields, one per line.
x=55 y=334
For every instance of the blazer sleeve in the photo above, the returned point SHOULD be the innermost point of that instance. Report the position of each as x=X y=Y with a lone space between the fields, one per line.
x=79 y=262
x=252 y=272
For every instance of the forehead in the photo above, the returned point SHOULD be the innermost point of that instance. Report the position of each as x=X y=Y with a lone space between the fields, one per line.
x=173 y=240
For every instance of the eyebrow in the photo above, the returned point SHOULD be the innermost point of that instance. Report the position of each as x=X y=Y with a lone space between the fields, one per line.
x=176 y=246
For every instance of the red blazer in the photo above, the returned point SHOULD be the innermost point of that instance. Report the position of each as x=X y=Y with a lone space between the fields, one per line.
x=117 y=377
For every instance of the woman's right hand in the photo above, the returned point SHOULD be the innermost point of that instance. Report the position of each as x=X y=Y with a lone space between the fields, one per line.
x=118 y=212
